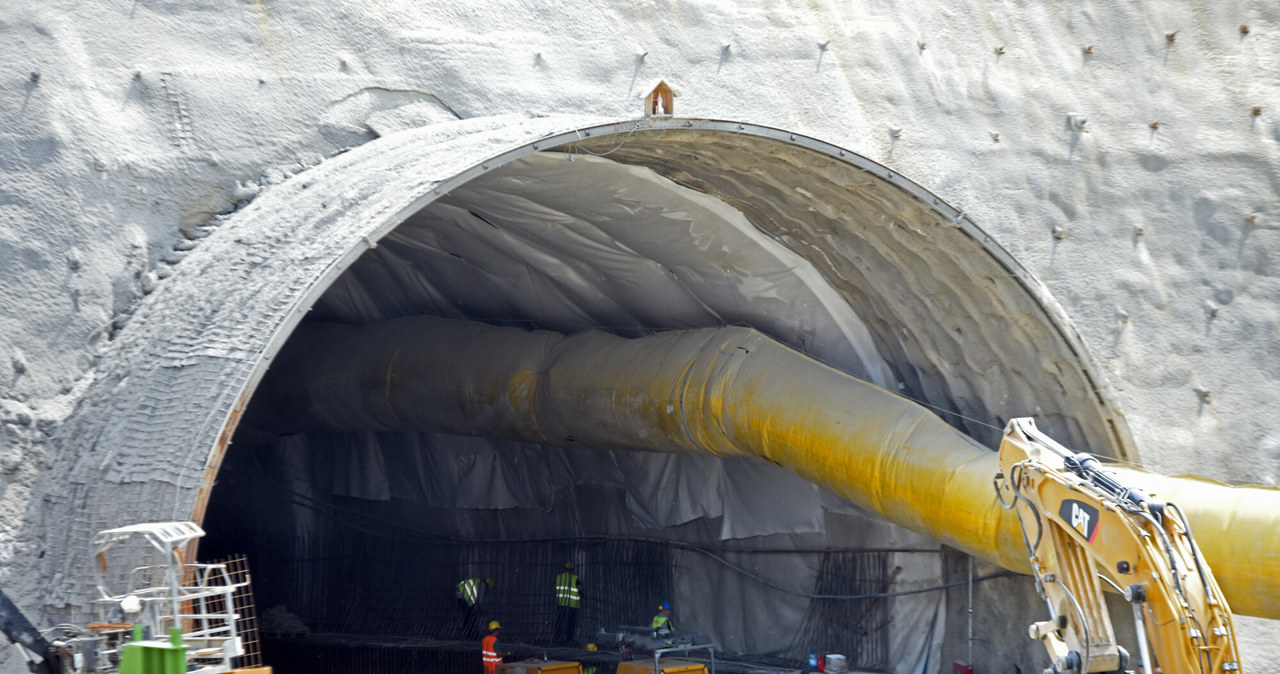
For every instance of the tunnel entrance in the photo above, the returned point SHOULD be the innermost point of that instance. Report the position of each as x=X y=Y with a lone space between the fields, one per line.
x=633 y=229
x=362 y=537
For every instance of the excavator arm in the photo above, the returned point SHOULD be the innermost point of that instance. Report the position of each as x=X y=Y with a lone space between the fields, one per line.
x=34 y=648
x=1083 y=528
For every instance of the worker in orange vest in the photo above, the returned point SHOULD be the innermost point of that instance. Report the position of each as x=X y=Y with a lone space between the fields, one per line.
x=490 y=650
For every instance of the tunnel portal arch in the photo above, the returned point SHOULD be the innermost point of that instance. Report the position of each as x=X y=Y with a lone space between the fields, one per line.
x=148 y=438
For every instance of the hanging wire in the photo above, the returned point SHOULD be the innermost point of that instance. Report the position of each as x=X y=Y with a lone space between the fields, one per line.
x=577 y=148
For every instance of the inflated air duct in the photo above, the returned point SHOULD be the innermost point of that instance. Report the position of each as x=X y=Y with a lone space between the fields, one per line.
x=727 y=391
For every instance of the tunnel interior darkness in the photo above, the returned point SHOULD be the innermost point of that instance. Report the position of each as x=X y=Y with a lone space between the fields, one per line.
x=367 y=533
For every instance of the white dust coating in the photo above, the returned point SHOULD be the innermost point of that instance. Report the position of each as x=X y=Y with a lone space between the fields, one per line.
x=128 y=125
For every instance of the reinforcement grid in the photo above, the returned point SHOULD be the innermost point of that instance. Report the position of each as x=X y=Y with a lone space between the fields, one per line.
x=368 y=587
x=246 y=612
x=365 y=584
x=855 y=628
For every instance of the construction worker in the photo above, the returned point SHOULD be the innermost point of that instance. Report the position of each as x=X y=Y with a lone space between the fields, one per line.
x=568 y=599
x=491 y=652
x=471 y=592
x=662 y=623
x=590 y=669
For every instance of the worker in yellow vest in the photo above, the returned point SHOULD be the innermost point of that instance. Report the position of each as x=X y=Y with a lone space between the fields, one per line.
x=662 y=623
x=568 y=600
x=590 y=669
x=471 y=592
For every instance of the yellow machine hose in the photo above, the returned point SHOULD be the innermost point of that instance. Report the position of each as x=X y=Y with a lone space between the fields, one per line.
x=727 y=391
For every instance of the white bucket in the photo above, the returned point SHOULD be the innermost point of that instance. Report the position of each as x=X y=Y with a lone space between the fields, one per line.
x=837 y=663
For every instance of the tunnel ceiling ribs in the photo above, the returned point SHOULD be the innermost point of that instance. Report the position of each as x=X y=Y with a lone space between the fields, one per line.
x=152 y=429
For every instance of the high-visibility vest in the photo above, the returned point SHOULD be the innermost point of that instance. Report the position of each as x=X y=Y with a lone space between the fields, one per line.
x=567 y=590
x=660 y=621
x=470 y=590
x=489 y=650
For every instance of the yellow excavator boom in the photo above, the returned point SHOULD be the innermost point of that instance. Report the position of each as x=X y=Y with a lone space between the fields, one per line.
x=1080 y=524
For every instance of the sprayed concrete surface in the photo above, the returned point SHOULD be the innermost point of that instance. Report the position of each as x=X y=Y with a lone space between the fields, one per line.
x=130 y=127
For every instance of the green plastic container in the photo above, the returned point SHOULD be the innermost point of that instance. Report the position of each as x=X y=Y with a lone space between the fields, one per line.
x=154 y=657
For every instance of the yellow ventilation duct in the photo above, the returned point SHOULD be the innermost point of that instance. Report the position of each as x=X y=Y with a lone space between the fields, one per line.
x=727 y=391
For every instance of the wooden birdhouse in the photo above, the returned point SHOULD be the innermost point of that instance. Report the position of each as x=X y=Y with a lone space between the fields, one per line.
x=660 y=101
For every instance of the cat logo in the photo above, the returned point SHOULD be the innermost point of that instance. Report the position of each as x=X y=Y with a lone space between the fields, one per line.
x=1081 y=516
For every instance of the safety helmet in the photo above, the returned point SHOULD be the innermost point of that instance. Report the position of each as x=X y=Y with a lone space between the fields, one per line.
x=493 y=625
x=568 y=565
x=592 y=647
x=488 y=581
x=665 y=606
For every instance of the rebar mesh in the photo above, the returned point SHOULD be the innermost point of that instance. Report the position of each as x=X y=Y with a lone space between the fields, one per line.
x=246 y=612
x=368 y=584
x=855 y=628
x=388 y=595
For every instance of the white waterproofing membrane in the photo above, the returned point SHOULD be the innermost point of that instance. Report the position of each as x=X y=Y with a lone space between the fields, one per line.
x=643 y=226
x=578 y=242
x=748 y=498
